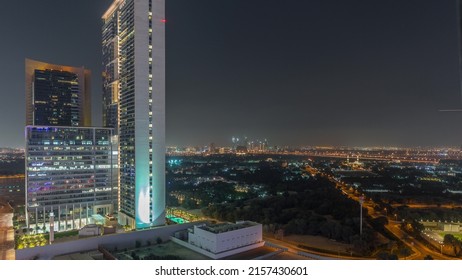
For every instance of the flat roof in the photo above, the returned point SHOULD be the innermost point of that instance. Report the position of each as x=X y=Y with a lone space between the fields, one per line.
x=111 y=9
x=225 y=227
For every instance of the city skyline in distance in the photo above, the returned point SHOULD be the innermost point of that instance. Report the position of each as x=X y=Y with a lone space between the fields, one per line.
x=304 y=74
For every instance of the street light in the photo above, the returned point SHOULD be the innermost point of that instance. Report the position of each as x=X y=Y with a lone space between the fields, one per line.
x=52 y=228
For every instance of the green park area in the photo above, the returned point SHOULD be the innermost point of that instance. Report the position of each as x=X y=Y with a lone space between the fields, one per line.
x=458 y=236
x=36 y=240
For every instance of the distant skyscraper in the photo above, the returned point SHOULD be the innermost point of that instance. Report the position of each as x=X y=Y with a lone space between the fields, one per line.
x=57 y=95
x=134 y=104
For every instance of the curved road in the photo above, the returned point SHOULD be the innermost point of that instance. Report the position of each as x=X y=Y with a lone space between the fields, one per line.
x=292 y=248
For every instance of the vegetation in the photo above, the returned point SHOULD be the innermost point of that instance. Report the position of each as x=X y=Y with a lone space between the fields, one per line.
x=383 y=255
x=453 y=244
x=62 y=234
x=458 y=236
x=287 y=198
x=30 y=241
x=311 y=206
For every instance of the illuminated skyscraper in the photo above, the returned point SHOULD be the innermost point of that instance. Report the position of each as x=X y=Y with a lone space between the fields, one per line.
x=57 y=95
x=134 y=104
x=70 y=167
x=69 y=172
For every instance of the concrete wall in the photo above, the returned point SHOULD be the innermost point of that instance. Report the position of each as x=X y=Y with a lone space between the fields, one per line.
x=451 y=228
x=219 y=255
x=238 y=238
x=121 y=241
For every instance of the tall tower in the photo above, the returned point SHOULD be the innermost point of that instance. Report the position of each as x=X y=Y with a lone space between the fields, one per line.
x=134 y=104
x=69 y=166
x=57 y=95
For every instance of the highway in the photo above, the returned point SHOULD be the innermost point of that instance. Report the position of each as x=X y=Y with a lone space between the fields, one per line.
x=419 y=249
x=6 y=233
x=426 y=206
x=293 y=249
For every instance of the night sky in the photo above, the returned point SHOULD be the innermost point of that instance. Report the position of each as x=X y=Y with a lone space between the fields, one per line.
x=314 y=72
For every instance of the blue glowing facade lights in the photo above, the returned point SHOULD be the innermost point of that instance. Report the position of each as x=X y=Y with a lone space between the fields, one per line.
x=134 y=105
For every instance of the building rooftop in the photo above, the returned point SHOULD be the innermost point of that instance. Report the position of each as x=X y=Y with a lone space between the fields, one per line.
x=225 y=227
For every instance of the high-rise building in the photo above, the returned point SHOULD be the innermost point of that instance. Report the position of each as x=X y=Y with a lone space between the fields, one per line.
x=134 y=104
x=71 y=168
x=57 y=95
x=69 y=172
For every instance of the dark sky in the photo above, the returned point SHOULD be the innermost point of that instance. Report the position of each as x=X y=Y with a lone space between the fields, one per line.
x=352 y=72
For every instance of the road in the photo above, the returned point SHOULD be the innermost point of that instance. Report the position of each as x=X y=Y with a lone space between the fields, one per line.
x=6 y=233
x=425 y=206
x=419 y=249
x=377 y=158
x=293 y=249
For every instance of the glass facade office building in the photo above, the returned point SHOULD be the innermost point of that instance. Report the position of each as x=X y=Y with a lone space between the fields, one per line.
x=70 y=171
x=134 y=105
x=56 y=98
x=57 y=95
x=111 y=73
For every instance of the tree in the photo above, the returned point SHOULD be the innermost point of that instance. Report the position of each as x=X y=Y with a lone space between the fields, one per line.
x=383 y=255
x=450 y=240
x=405 y=252
x=134 y=256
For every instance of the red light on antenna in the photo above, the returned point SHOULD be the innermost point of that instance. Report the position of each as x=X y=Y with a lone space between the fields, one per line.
x=163 y=20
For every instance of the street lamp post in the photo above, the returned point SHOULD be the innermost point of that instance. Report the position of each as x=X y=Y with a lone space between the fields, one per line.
x=52 y=228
